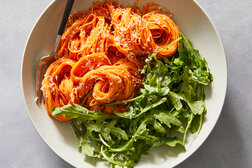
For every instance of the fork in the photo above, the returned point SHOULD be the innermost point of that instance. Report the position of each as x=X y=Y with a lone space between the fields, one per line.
x=47 y=60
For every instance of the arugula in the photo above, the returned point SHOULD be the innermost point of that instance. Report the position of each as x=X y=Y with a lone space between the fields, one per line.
x=172 y=102
x=79 y=112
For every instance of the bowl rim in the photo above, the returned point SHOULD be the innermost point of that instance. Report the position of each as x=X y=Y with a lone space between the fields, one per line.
x=189 y=153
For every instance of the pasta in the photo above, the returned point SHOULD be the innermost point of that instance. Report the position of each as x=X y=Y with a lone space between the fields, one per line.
x=101 y=54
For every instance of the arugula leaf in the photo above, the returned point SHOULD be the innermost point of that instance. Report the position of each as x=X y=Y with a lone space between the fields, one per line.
x=140 y=148
x=84 y=146
x=177 y=129
x=93 y=128
x=196 y=124
x=200 y=70
x=110 y=128
x=78 y=111
x=167 y=119
x=158 y=127
x=175 y=99
x=130 y=114
x=173 y=141
x=197 y=107
x=183 y=52
x=188 y=126
x=112 y=159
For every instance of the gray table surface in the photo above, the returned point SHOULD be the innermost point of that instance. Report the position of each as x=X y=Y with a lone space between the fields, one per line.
x=228 y=146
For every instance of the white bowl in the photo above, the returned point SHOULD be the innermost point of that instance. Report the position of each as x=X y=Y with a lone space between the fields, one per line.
x=192 y=21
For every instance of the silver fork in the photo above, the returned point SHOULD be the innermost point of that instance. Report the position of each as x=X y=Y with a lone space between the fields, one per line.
x=47 y=60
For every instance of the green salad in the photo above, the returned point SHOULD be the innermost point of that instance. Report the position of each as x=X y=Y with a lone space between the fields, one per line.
x=171 y=104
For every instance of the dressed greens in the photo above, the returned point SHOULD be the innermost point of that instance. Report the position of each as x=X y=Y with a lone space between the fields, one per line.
x=170 y=104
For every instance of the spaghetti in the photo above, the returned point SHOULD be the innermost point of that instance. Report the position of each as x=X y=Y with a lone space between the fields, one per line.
x=101 y=54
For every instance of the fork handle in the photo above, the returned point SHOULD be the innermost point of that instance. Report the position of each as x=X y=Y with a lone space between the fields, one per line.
x=67 y=11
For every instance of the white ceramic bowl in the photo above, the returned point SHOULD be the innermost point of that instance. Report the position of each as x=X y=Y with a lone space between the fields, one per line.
x=192 y=21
